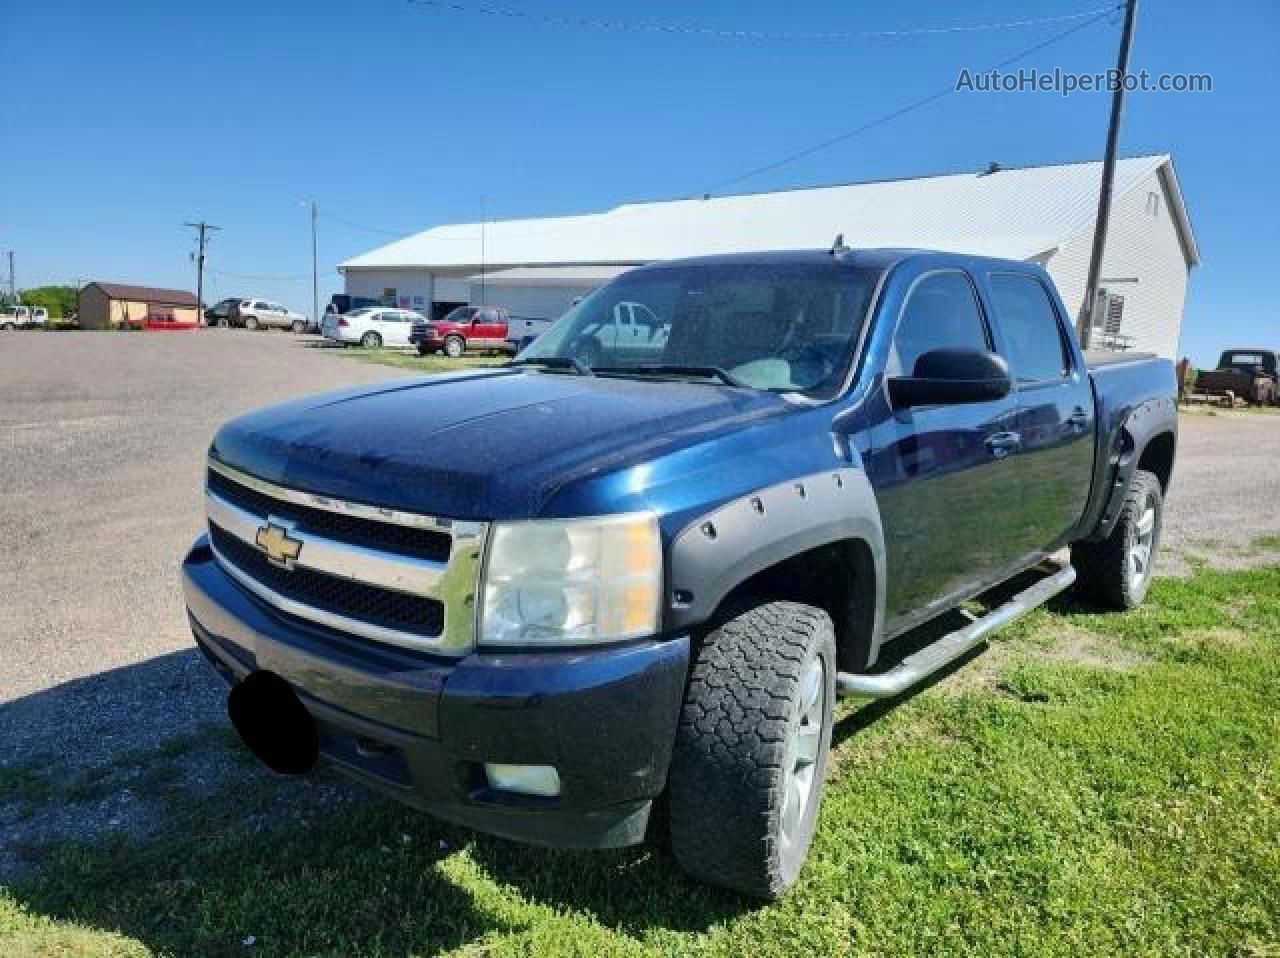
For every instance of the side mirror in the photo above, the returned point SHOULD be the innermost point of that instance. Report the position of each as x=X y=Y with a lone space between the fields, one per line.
x=945 y=377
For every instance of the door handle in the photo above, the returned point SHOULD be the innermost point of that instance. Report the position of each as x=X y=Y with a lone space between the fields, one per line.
x=1002 y=444
x=1078 y=421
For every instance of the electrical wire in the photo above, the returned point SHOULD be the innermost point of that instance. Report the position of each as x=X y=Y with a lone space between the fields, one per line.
x=903 y=110
x=626 y=26
x=362 y=226
x=266 y=279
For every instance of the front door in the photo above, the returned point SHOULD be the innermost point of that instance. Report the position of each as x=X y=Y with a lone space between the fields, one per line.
x=943 y=475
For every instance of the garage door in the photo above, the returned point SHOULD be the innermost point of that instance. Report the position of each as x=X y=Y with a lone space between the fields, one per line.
x=539 y=302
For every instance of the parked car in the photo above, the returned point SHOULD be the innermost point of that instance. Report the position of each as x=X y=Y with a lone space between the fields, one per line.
x=474 y=328
x=265 y=314
x=343 y=303
x=371 y=328
x=23 y=317
x=219 y=314
x=1252 y=374
x=541 y=599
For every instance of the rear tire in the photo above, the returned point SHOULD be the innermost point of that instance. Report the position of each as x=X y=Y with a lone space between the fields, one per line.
x=454 y=346
x=8 y=327
x=224 y=323
x=1116 y=572
x=371 y=340
x=751 y=750
x=299 y=327
x=251 y=322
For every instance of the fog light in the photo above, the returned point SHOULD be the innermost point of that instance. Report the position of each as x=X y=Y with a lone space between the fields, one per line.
x=541 y=780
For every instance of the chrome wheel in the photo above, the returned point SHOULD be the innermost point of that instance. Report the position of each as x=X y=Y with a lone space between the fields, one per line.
x=1140 y=550
x=803 y=750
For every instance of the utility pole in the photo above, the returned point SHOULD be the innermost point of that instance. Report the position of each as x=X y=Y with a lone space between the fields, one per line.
x=13 y=289
x=483 y=214
x=315 y=270
x=1085 y=322
x=202 y=231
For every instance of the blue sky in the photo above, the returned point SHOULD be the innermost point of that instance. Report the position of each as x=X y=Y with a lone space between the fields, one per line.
x=122 y=121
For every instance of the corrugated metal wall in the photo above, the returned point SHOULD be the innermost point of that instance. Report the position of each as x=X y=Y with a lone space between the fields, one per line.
x=1142 y=245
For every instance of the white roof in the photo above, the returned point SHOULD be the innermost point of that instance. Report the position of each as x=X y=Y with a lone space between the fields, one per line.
x=1014 y=213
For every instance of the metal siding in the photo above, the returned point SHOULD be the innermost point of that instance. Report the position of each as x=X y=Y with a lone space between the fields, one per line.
x=1139 y=246
x=532 y=302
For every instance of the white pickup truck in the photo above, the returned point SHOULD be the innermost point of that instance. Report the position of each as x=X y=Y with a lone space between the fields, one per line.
x=23 y=317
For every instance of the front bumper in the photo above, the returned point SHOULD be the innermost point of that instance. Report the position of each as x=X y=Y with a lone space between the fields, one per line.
x=421 y=727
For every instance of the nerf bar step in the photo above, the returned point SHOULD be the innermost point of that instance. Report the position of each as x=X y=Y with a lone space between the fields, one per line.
x=919 y=666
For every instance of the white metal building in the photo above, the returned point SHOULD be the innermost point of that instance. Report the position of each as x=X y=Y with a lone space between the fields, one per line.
x=536 y=267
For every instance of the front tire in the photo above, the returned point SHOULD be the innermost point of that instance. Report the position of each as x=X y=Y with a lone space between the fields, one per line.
x=1116 y=572
x=299 y=327
x=251 y=322
x=454 y=346
x=371 y=340
x=750 y=756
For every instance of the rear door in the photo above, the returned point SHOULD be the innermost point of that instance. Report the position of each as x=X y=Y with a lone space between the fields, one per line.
x=944 y=475
x=488 y=330
x=1055 y=419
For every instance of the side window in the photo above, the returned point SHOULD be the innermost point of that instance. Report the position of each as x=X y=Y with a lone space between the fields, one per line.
x=261 y=305
x=941 y=312
x=1026 y=315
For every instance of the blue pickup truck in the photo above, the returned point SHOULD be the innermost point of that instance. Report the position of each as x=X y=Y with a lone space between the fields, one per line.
x=610 y=592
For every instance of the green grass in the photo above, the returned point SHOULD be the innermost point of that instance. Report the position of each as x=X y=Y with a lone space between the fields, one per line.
x=422 y=364
x=1267 y=542
x=1065 y=808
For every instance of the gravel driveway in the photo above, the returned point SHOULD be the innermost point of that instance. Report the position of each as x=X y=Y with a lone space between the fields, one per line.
x=102 y=443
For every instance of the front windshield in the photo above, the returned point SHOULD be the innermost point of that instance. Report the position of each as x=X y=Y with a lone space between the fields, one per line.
x=786 y=327
x=360 y=312
x=459 y=314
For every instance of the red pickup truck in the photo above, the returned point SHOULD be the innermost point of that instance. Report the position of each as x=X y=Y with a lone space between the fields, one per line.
x=475 y=327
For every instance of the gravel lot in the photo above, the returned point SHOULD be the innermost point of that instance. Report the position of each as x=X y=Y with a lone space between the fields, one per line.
x=102 y=441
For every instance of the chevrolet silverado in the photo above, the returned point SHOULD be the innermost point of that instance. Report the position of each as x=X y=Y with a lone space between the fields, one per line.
x=550 y=599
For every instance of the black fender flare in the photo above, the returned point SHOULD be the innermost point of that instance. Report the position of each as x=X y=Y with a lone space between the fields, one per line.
x=1127 y=444
x=721 y=549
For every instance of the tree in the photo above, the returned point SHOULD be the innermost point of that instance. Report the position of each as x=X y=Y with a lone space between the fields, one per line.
x=58 y=300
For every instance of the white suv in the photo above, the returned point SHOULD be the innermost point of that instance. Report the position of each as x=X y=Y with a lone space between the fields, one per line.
x=372 y=328
x=264 y=314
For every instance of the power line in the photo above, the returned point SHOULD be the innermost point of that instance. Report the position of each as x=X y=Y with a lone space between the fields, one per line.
x=910 y=107
x=626 y=26
x=361 y=226
x=266 y=279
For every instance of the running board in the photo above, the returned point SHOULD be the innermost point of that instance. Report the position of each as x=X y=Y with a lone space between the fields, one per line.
x=919 y=666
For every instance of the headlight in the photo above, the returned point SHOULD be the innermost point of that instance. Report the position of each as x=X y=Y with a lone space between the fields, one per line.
x=572 y=581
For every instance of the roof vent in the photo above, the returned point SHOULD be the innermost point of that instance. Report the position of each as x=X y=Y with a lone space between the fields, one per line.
x=838 y=246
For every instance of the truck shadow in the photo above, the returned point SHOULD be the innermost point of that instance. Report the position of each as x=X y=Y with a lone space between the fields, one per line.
x=127 y=805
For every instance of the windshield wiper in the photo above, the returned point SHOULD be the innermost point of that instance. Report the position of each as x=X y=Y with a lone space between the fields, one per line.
x=662 y=369
x=567 y=363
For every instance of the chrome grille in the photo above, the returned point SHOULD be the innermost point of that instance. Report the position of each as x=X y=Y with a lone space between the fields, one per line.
x=392 y=576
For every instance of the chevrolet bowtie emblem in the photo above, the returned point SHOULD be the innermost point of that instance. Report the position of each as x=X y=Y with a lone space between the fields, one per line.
x=280 y=547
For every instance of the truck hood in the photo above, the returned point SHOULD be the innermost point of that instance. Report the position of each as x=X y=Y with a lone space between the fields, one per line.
x=487 y=445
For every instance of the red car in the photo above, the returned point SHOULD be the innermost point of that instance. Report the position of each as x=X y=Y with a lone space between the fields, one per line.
x=467 y=327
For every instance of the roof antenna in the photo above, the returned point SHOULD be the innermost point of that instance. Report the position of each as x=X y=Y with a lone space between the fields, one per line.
x=992 y=167
x=838 y=246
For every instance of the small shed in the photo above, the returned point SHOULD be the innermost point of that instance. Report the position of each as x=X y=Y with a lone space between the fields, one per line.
x=112 y=305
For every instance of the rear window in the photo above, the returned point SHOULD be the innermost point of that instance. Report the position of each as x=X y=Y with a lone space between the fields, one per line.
x=1025 y=313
